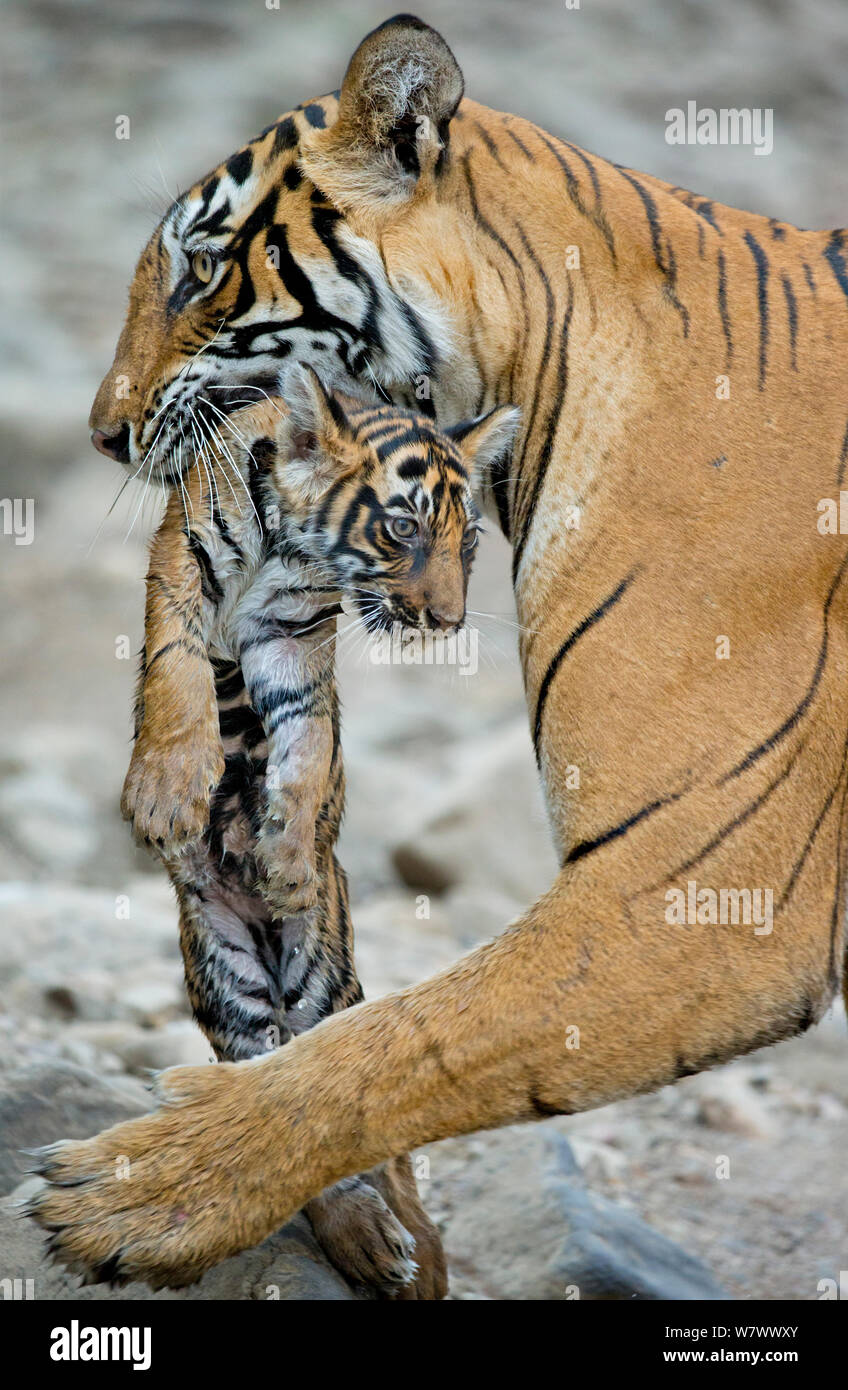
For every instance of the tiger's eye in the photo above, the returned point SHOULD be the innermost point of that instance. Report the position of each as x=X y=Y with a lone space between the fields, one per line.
x=203 y=266
x=403 y=528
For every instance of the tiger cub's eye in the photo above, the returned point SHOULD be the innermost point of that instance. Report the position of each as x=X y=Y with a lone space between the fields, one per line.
x=403 y=528
x=470 y=538
x=203 y=266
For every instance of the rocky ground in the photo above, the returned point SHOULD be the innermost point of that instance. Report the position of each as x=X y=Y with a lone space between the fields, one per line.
x=444 y=813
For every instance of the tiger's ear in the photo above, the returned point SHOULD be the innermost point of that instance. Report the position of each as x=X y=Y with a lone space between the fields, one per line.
x=482 y=442
x=315 y=443
x=401 y=88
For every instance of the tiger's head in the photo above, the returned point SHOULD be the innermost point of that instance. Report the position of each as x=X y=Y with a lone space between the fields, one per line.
x=383 y=501
x=279 y=256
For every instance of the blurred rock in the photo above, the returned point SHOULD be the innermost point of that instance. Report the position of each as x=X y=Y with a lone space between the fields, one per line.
x=73 y=953
x=177 y=1044
x=486 y=827
x=399 y=940
x=480 y=913
x=726 y=1101
x=46 y=818
x=552 y=1239
x=41 y=1104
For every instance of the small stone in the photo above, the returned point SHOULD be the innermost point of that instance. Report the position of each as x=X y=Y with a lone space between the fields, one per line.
x=725 y=1101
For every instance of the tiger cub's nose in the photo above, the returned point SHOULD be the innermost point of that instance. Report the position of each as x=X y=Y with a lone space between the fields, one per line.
x=116 y=446
x=445 y=618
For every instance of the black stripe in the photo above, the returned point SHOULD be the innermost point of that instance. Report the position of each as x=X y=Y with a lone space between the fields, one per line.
x=843 y=458
x=239 y=166
x=584 y=847
x=582 y=155
x=285 y=136
x=490 y=145
x=209 y=586
x=314 y=115
x=560 y=389
x=385 y=445
x=499 y=485
x=737 y=821
x=487 y=226
x=528 y=154
x=220 y=522
x=762 y=264
x=801 y=708
x=836 y=260
x=704 y=209
x=810 y=840
x=550 y=313
x=792 y=314
x=837 y=916
x=722 y=309
x=229 y=682
x=667 y=268
x=495 y=236
x=239 y=722
x=194 y=648
x=597 y=216
x=573 y=637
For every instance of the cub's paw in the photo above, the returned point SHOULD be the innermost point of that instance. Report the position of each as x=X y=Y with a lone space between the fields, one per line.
x=291 y=881
x=396 y=1183
x=362 y=1237
x=168 y=790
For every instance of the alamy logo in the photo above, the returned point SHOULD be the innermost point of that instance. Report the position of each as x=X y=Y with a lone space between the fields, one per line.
x=723 y=907
x=833 y=1288
x=728 y=126
x=17 y=1288
x=833 y=515
x=404 y=646
x=77 y=1343
x=18 y=515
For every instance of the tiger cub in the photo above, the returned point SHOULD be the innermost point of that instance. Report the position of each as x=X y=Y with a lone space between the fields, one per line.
x=236 y=775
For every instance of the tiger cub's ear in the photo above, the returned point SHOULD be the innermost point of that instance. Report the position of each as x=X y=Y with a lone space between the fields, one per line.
x=315 y=442
x=485 y=441
x=401 y=88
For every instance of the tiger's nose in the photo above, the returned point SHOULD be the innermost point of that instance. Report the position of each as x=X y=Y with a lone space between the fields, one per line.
x=116 y=446
x=445 y=617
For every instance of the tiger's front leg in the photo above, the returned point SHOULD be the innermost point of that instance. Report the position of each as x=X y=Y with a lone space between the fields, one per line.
x=177 y=759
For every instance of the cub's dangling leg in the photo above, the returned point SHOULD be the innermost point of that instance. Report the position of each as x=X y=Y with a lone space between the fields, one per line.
x=254 y=979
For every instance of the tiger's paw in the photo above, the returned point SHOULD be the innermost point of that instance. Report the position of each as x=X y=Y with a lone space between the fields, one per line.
x=165 y=1196
x=167 y=793
x=363 y=1238
x=291 y=880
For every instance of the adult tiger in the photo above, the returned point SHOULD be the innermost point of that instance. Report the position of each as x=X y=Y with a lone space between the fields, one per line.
x=683 y=392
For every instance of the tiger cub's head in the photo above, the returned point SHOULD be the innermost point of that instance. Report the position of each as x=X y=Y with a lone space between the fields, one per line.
x=383 y=501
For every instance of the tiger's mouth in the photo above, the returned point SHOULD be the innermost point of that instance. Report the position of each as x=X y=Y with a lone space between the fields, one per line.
x=195 y=426
x=196 y=423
